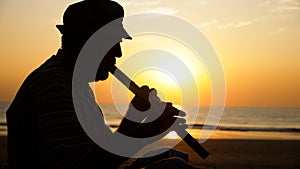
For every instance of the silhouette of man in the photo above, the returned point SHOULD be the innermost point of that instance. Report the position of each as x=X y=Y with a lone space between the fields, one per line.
x=43 y=129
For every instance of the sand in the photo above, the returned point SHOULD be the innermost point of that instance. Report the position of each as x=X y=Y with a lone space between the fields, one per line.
x=229 y=153
x=244 y=154
x=247 y=154
x=3 y=148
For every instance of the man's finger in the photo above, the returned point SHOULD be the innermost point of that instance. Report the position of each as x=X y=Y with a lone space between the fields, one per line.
x=181 y=113
x=145 y=88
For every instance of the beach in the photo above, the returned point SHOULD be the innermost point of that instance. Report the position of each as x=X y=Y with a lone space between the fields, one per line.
x=3 y=150
x=246 y=138
x=244 y=154
x=247 y=154
x=228 y=153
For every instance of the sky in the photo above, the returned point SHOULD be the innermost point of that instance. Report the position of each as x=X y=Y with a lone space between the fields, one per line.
x=257 y=42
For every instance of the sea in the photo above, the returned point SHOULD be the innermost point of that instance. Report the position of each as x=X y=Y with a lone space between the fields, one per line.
x=235 y=122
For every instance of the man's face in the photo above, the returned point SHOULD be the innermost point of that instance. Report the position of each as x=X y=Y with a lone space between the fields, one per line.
x=108 y=61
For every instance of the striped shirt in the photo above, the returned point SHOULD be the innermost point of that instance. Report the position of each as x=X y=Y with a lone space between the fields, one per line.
x=43 y=129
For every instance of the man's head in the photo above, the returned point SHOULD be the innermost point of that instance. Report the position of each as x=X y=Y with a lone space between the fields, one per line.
x=82 y=19
x=89 y=15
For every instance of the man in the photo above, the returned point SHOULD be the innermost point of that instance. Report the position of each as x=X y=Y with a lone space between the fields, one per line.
x=43 y=128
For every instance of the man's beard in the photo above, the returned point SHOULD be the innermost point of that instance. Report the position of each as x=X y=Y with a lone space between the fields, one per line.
x=103 y=70
x=106 y=64
x=102 y=74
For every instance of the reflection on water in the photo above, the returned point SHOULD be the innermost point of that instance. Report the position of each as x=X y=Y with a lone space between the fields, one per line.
x=236 y=122
x=172 y=135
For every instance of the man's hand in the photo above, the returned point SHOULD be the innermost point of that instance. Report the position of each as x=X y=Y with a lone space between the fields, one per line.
x=152 y=118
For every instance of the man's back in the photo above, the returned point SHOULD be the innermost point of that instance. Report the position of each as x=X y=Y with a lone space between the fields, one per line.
x=23 y=114
x=43 y=129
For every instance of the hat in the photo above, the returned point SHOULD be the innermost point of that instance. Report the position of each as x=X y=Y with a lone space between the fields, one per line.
x=90 y=15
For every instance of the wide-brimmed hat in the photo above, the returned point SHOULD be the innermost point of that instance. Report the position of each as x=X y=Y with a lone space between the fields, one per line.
x=90 y=15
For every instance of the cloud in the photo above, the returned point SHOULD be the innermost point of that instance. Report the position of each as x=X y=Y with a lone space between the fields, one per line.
x=277 y=31
x=225 y=25
x=234 y=25
x=154 y=6
x=200 y=2
x=168 y=11
x=284 y=9
x=135 y=4
x=264 y=3
x=288 y=1
x=208 y=23
x=280 y=6
x=242 y=24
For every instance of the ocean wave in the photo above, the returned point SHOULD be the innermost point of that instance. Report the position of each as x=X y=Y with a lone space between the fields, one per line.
x=234 y=128
x=238 y=128
x=213 y=127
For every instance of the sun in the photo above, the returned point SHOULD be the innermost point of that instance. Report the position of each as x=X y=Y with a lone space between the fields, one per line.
x=166 y=86
x=166 y=64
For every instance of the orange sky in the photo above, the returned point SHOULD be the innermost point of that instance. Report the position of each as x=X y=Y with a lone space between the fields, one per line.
x=257 y=42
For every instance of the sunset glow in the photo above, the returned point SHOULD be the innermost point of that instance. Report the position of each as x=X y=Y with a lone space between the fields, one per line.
x=257 y=42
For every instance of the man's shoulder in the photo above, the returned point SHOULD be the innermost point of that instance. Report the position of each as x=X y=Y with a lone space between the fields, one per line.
x=50 y=73
x=50 y=70
x=46 y=79
x=47 y=76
